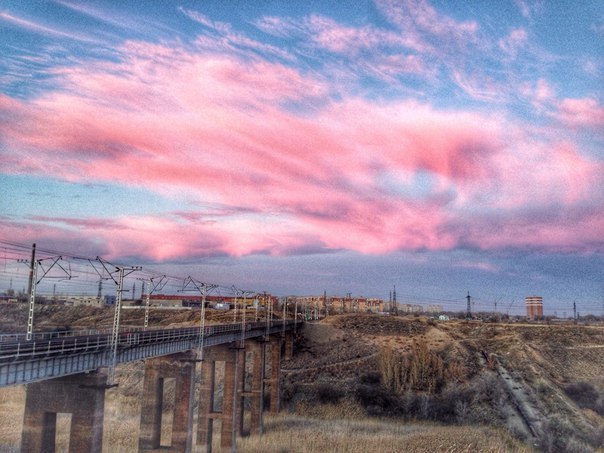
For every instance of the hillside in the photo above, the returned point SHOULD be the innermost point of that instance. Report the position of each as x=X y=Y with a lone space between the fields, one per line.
x=542 y=383
x=373 y=382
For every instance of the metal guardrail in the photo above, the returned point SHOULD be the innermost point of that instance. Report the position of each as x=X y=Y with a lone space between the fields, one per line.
x=49 y=355
x=49 y=344
x=12 y=337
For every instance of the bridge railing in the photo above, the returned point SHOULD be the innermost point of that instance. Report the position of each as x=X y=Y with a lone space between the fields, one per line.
x=48 y=344
x=53 y=334
x=49 y=335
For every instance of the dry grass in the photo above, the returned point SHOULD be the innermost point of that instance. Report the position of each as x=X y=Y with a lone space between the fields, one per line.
x=12 y=406
x=294 y=433
x=333 y=428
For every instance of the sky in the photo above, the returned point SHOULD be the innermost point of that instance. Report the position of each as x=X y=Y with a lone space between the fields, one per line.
x=307 y=146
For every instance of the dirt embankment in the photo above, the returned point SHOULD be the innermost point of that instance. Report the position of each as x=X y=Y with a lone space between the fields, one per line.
x=536 y=365
x=343 y=347
x=55 y=317
x=544 y=363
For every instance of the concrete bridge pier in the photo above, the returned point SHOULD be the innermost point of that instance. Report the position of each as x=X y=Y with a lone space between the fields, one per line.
x=256 y=393
x=231 y=414
x=180 y=367
x=273 y=381
x=82 y=395
x=289 y=346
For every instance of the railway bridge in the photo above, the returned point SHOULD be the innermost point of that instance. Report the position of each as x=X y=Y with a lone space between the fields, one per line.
x=69 y=372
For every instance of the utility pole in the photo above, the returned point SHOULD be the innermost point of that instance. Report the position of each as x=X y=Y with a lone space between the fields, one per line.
x=245 y=293
x=202 y=324
x=115 y=332
x=190 y=284
x=100 y=291
x=32 y=297
x=268 y=316
x=575 y=310
x=147 y=294
x=116 y=325
x=325 y=302
x=150 y=286
x=33 y=282
x=394 y=304
x=284 y=301
x=295 y=314
x=469 y=308
x=31 y=269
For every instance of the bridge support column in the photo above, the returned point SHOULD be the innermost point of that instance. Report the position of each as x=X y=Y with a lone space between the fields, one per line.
x=275 y=372
x=181 y=367
x=231 y=416
x=289 y=346
x=257 y=391
x=205 y=422
x=82 y=395
x=239 y=386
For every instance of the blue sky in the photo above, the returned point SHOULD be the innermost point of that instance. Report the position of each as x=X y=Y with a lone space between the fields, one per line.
x=297 y=147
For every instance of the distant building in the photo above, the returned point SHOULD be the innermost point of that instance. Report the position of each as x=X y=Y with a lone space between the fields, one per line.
x=215 y=301
x=338 y=304
x=434 y=308
x=80 y=301
x=410 y=308
x=108 y=299
x=534 y=307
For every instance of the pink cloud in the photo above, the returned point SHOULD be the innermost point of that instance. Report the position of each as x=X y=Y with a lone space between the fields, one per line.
x=544 y=91
x=160 y=238
x=332 y=36
x=586 y=112
x=478 y=86
x=231 y=132
x=362 y=50
x=421 y=23
x=515 y=41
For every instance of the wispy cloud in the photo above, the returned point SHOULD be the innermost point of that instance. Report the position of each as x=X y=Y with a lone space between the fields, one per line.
x=202 y=19
x=516 y=40
x=585 y=112
x=127 y=24
x=222 y=129
x=45 y=30
x=529 y=9
x=223 y=37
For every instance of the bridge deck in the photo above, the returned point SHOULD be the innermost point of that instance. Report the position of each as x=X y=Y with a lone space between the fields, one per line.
x=55 y=354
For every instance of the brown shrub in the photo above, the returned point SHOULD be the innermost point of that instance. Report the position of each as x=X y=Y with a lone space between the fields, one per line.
x=419 y=369
x=328 y=393
x=586 y=396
